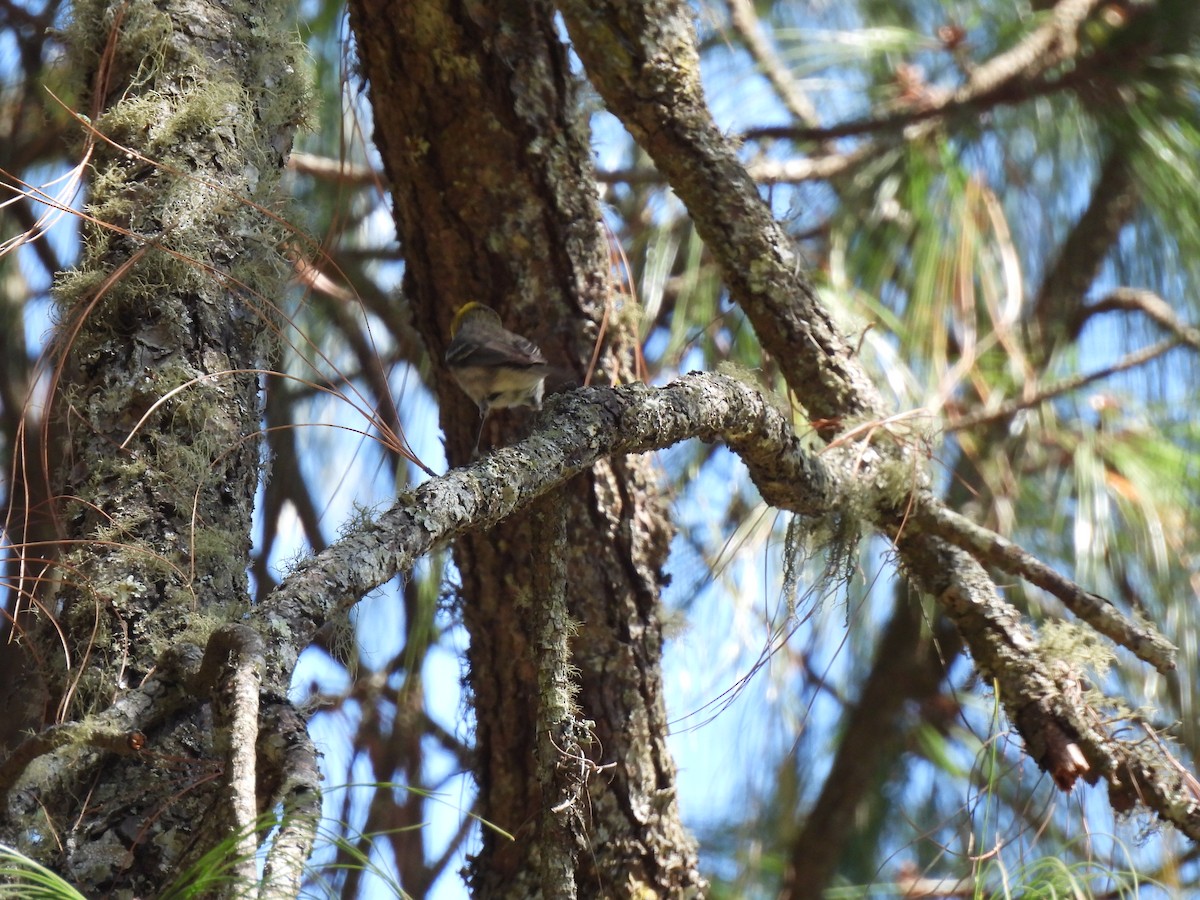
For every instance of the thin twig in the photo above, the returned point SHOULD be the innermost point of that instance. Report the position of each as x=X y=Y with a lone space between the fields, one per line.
x=1066 y=386
x=991 y=549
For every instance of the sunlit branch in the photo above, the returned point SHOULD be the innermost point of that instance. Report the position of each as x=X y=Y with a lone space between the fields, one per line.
x=580 y=428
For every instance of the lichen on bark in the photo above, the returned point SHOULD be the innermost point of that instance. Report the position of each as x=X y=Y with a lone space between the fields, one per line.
x=187 y=111
x=167 y=316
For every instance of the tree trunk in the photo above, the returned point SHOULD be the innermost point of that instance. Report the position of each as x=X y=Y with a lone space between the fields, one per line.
x=477 y=119
x=164 y=327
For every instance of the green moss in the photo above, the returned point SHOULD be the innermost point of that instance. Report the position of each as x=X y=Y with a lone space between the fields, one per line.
x=144 y=41
x=1076 y=644
x=201 y=623
x=122 y=528
x=76 y=284
x=215 y=549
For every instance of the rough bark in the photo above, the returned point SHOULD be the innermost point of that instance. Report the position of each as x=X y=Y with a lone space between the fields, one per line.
x=642 y=59
x=479 y=126
x=193 y=106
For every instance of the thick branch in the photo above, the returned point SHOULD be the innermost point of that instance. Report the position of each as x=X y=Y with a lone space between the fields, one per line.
x=578 y=430
x=68 y=760
x=590 y=424
x=582 y=427
x=233 y=663
x=288 y=777
x=642 y=59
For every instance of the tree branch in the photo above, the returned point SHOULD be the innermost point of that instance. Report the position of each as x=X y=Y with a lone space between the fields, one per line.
x=744 y=21
x=998 y=551
x=1066 y=386
x=576 y=431
x=1158 y=310
x=1058 y=308
x=641 y=57
x=290 y=777
x=231 y=673
x=120 y=728
x=582 y=427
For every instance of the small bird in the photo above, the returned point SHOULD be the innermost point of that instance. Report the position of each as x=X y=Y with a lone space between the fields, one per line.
x=495 y=367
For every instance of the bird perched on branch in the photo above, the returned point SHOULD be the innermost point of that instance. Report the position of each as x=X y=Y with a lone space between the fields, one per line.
x=495 y=367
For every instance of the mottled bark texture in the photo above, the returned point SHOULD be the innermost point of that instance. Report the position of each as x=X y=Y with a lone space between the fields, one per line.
x=170 y=309
x=479 y=126
x=642 y=58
